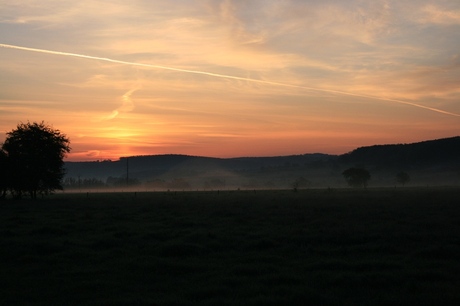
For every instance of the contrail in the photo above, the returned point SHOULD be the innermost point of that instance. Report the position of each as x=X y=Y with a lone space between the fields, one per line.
x=217 y=75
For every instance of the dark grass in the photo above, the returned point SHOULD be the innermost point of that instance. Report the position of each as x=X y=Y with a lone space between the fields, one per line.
x=317 y=247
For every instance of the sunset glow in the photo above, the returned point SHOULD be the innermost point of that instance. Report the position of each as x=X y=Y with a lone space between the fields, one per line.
x=231 y=78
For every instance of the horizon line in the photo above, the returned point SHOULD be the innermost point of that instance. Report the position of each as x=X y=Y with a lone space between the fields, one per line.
x=269 y=156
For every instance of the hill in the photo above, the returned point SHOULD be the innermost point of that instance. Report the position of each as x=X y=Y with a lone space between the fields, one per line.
x=434 y=162
x=442 y=151
x=158 y=171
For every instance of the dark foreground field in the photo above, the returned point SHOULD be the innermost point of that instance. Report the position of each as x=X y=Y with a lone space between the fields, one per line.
x=312 y=247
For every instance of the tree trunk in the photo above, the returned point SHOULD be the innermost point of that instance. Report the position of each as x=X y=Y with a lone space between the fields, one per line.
x=33 y=194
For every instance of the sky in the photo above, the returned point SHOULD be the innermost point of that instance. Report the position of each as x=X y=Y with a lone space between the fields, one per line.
x=223 y=78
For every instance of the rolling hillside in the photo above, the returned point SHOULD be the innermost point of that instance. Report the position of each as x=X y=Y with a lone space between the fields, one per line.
x=434 y=162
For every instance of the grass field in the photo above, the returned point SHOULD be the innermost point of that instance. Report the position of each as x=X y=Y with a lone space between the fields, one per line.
x=317 y=247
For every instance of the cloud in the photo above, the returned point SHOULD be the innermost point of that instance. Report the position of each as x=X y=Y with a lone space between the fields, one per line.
x=92 y=153
x=243 y=30
x=437 y=15
x=127 y=103
x=235 y=67
x=111 y=116
x=126 y=106
x=57 y=13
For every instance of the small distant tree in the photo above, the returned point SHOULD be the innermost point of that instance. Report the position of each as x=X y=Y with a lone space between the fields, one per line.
x=35 y=154
x=357 y=177
x=300 y=183
x=402 y=178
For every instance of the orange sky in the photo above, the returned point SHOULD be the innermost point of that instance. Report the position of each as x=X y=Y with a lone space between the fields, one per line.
x=231 y=78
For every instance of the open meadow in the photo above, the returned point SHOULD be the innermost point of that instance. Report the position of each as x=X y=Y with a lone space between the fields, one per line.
x=394 y=246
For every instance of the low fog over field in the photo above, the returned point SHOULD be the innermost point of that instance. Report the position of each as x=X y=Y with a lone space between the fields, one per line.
x=432 y=163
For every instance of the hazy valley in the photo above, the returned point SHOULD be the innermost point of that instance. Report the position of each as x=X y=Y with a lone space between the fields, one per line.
x=433 y=163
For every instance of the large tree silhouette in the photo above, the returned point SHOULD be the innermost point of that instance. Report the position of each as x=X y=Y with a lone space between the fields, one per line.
x=356 y=177
x=35 y=153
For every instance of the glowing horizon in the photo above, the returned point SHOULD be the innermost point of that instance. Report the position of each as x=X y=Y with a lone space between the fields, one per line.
x=236 y=79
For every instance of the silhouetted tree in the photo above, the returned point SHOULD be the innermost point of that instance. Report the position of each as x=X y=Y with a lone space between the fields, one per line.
x=4 y=174
x=300 y=183
x=356 y=177
x=35 y=153
x=403 y=178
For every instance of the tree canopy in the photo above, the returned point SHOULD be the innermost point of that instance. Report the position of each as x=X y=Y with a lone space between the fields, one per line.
x=356 y=177
x=34 y=154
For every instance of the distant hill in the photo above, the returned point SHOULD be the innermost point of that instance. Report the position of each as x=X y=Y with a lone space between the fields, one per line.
x=433 y=162
x=427 y=162
x=440 y=151
x=171 y=164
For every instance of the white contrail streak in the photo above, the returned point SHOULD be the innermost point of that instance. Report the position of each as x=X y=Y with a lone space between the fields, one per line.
x=226 y=77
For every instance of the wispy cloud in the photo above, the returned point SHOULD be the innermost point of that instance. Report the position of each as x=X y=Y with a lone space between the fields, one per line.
x=128 y=103
x=434 y=14
x=126 y=106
